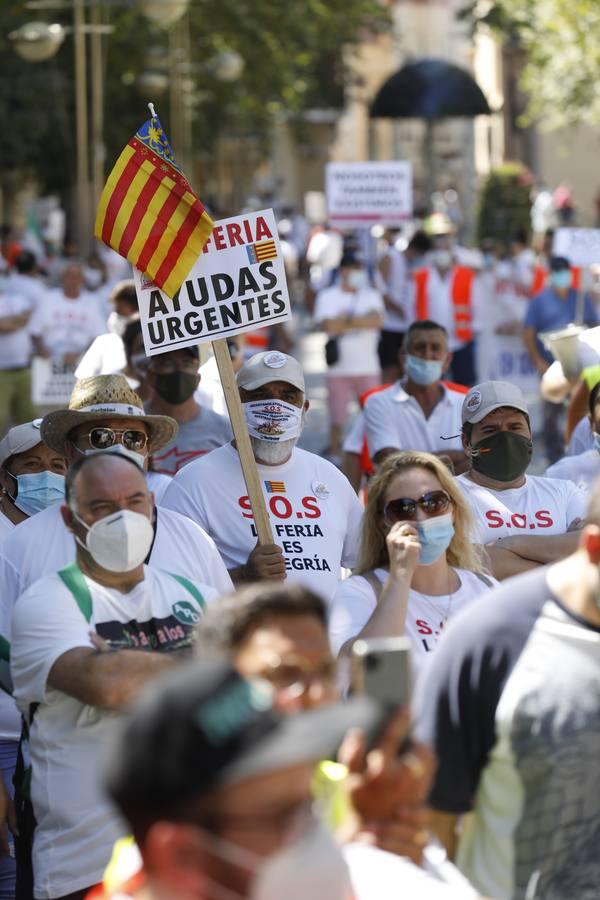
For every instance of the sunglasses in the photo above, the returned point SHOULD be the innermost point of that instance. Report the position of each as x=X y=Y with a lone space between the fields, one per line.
x=404 y=509
x=103 y=438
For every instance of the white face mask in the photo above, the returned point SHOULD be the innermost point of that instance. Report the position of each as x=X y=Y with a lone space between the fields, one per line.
x=117 y=323
x=441 y=258
x=119 y=542
x=273 y=420
x=311 y=866
x=138 y=458
x=357 y=279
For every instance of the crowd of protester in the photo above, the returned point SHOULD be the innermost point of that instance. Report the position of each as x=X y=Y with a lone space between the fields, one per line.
x=179 y=716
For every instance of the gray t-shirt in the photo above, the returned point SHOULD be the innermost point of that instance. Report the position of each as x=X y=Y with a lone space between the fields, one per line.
x=207 y=431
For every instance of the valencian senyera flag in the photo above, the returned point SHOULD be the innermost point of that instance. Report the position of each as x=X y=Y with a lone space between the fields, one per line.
x=148 y=212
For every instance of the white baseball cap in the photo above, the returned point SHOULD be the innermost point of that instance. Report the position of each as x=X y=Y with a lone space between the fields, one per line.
x=484 y=398
x=19 y=439
x=270 y=365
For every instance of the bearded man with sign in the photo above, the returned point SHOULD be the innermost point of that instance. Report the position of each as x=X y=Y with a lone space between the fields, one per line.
x=524 y=520
x=314 y=513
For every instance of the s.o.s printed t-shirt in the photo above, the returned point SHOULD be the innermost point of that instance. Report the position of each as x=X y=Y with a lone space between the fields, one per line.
x=315 y=515
x=76 y=827
x=542 y=506
x=354 y=603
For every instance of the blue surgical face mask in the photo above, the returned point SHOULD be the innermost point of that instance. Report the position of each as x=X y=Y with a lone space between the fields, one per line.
x=38 y=491
x=435 y=536
x=596 y=437
x=561 y=280
x=423 y=371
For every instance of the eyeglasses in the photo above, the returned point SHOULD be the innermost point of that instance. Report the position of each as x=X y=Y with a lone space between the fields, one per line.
x=404 y=509
x=295 y=679
x=103 y=438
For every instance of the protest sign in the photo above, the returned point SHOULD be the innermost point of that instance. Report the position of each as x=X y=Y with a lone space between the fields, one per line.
x=51 y=382
x=502 y=357
x=237 y=284
x=369 y=193
x=581 y=246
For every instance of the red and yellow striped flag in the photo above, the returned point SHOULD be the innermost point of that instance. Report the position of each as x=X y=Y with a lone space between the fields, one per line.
x=148 y=212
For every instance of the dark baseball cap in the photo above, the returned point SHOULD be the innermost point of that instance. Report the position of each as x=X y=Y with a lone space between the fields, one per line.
x=204 y=725
x=558 y=263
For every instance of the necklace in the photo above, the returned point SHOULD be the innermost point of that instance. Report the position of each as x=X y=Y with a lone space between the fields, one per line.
x=449 y=597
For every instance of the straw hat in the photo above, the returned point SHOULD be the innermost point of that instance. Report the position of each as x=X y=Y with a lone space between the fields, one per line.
x=104 y=397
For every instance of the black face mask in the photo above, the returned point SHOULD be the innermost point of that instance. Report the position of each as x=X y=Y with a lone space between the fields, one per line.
x=176 y=387
x=503 y=456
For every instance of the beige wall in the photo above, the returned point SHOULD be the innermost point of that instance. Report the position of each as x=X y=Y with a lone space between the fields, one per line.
x=571 y=158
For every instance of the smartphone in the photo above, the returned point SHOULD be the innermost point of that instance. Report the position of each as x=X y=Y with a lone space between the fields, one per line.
x=381 y=668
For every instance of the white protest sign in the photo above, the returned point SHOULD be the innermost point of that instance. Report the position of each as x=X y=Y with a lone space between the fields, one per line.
x=581 y=246
x=237 y=284
x=369 y=193
x=51 y=382
x=502 y=357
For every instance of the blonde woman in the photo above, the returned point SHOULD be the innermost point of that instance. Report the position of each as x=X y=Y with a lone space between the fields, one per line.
x=417 y=565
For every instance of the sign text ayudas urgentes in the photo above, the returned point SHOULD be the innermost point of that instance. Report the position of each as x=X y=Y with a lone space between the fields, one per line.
x=237 y=284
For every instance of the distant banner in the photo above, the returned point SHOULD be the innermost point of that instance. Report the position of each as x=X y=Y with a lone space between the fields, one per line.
x=581 y=246
x=238 y=284
x=51 y=382
x=369 y=193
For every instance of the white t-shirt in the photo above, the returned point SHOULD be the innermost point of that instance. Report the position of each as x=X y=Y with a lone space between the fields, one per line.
x=76 y=827
x=105 y=356
x=10 y=717
x=42 y=545
x=158 y=484
x=205 y=432
x=15 y=346
x=582 y=438
x=582 y=469
x=357 y=349
x=67 y=326
x=354 y=602
x=6 y=526
x=542 y=506
x=396 y=287
x=315 y=514
x=209 y=393
x=394 y=419
x=353 y=442
x=27 y=286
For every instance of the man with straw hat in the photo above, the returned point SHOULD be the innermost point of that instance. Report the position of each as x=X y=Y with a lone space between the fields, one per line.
x=105 y=414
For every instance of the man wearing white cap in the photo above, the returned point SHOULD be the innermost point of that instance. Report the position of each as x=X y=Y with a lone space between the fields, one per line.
x=524 y=520
x=314 y=512
x=106 y=414
x=32 y=475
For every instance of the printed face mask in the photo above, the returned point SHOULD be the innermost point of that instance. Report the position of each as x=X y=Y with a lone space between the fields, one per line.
x=435 y=536
x=503 y=456
x=273 y=420
x=119 y=542
x=175 y=387
x=423 y=371
x=37 y=491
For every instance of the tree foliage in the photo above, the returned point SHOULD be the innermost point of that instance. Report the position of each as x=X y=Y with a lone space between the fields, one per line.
x=560 y=42
x=293 y=55
x=505 y=204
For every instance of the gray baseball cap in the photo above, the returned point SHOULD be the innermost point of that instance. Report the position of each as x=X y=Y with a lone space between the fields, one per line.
x=270 y=365
x=19 y=439
x=484 y=398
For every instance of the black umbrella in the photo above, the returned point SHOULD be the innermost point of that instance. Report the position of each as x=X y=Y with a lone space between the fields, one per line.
x=429 y=89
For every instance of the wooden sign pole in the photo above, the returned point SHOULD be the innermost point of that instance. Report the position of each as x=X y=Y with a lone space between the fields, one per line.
x=242 y=440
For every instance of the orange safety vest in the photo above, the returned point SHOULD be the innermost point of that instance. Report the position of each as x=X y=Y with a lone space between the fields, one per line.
x=462 y=299
x=540 y=277
x=258 y=339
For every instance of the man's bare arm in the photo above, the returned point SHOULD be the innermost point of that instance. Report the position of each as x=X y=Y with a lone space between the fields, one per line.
x=541 y=549
x=504 y=563
x=107 y=680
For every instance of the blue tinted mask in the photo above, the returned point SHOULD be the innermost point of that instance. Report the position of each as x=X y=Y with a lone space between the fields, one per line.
x=435 y=536
x=423 y=371
x=561 y=280
x=38 y=491
x=596 y=437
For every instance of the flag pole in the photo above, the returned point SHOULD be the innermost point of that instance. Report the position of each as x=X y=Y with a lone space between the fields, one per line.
x=262 y=521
